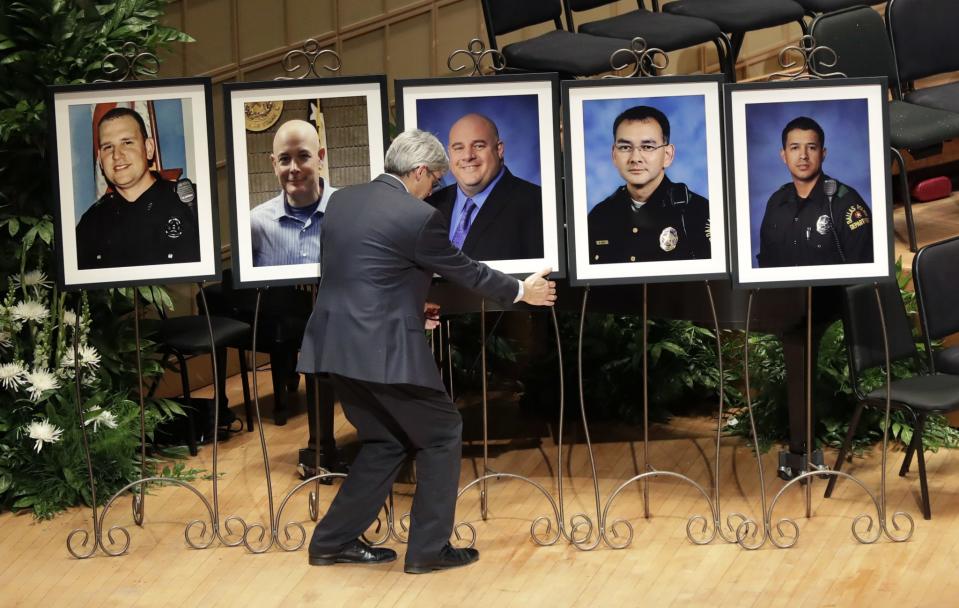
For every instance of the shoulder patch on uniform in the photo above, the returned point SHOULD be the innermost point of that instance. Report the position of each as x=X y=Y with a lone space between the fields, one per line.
x=856 y=217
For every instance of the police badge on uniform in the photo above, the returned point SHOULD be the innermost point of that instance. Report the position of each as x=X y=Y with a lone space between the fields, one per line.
x=173 y=228
x=668 y=239
x=823 y=224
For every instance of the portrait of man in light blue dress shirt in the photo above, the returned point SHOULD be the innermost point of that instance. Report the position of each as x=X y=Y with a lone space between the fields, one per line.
x=286 y=229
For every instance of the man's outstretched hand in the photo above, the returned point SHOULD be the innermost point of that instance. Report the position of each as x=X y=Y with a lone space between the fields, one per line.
x=538 y=290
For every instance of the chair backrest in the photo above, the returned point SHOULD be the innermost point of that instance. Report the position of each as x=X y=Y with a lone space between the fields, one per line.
x=863 y=327
x=925 y=36
x=935 y=275
x=858 y=35
x=505 y=16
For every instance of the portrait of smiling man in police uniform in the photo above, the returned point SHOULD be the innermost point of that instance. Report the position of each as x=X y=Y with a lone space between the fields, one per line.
x=649 y=218
x=142 y=219
x=813 y=219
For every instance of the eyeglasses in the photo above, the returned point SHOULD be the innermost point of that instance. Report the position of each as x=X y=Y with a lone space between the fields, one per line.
x=436 y=180
x=627 y=149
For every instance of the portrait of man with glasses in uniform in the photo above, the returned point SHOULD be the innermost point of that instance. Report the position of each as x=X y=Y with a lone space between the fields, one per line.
x=649 y=218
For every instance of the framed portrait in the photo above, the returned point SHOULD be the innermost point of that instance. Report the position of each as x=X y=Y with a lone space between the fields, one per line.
x=501 y=196
x=810 y=182
x=645 y=197
x=290 y=145
x=133 y=169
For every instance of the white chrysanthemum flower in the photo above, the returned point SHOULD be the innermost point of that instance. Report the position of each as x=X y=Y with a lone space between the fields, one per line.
x=104 y=417
x=69 y=318
x=41 y=381
x=29 y=310
x=33 y=278
x=43 y=432
x=89 y=357
x=12 y=375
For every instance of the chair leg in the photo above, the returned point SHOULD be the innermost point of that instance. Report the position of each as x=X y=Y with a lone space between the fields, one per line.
x=282 y=362
x=724 y=54
x=920 y=456
x=906 y=199
x=910 y=451
x=245 y=381
x=736 y=45
x=846 y=444
x=911 y=448
x=188 y=402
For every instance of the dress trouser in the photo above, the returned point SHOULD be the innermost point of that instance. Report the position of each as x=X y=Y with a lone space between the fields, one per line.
x=390 y=420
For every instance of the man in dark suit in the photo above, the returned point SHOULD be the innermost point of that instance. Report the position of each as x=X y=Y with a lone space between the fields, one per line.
x=381 y=246
x=491 y=213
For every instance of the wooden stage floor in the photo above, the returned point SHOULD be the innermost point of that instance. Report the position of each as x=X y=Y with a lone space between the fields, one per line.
x=826 y=567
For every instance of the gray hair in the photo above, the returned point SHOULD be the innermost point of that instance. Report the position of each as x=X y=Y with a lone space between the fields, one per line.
x=415 y=148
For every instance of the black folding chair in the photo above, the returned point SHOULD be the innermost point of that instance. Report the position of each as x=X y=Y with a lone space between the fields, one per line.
x=189 y=336
x=738 y=17
x=570 y=54
x=920 y=395
x=663 y=31
x=935 y=274
x=859 y=38
x=925 y=43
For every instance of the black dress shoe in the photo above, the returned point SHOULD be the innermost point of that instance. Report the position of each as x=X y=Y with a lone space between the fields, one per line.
x=356 y=552
x=449 y=557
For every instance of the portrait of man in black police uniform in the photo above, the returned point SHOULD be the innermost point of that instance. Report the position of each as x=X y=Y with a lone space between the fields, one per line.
x=142 y=219
x=813 y=219
x=650 y=218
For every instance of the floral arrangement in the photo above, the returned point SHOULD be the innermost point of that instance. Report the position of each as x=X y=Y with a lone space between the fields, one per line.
x=42 y=462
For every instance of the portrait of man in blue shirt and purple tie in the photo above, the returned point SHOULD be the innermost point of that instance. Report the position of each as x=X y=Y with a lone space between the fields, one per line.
x=286 y=228
x=492 y=214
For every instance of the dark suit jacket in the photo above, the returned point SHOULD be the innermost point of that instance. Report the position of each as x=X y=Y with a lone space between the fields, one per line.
x=381 y=247
x=509 y=226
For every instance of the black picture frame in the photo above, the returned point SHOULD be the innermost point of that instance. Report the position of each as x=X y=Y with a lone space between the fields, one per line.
x=198 y=150
x=574 y=94
x=746 y=272
x=546 y=87
x=245 y=273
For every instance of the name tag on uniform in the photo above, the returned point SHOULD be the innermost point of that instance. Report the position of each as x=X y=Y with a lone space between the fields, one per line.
x=602 y=242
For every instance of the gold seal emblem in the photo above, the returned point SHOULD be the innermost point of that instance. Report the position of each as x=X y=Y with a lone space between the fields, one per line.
x=261 y=115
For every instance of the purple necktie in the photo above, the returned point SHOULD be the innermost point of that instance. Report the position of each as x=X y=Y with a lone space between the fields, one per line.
x=464 y=226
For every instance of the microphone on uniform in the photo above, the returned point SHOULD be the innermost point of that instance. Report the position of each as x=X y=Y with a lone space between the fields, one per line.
x=829 y=188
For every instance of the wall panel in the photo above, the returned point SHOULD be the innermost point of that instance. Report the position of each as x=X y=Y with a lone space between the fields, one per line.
x=410 y=52
x=211 y=23
x=352 y=11
x=260 y=26
x=309 y=19
x=365 y=54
